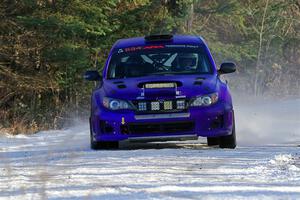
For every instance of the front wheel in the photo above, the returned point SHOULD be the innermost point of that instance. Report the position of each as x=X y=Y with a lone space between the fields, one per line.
x=212 y=141
x=103 y=144
x=229 y=141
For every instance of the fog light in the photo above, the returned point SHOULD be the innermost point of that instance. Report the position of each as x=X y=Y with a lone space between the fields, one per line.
x=142 y=106
x=155 y=105
x=168 y=105
x=218 y=122
x=105 y=127
x=181 y=104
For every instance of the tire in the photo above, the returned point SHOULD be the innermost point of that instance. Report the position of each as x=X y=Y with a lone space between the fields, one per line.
x=212 y=141
x=229 y=141
x=96 y=145
x=104 y=144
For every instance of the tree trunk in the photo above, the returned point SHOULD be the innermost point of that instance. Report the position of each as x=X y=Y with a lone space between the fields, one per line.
x=259 y=62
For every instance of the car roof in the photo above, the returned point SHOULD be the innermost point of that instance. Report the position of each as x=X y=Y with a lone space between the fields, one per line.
x=176 y=39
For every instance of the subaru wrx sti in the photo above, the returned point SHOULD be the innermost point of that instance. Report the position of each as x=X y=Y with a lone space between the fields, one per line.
x=158 y=88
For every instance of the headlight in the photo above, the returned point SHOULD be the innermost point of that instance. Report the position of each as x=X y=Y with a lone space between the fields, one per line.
x=116 y=104
x=205 y=100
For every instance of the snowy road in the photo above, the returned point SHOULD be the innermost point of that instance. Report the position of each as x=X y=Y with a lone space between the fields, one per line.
x=60 y=165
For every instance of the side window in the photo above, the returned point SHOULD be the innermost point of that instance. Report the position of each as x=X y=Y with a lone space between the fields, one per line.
x=112 y=69
x=116 y=68
x=203 y=65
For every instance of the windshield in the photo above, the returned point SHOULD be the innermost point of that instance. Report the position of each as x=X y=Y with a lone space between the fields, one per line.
x=158 y=60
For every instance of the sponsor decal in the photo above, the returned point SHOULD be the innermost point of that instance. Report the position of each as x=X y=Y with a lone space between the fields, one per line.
x=182 y=45
x=139 y=48
x=129 y=49
x=154 y=47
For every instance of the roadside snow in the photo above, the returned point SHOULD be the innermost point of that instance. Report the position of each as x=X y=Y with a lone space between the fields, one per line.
x=60 y=165
x=273 y=122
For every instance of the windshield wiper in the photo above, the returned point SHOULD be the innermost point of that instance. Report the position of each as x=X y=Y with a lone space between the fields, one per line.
x=172 y=73
x=162 y=73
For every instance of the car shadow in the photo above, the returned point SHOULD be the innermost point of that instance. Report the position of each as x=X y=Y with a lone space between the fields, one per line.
x=163 y=145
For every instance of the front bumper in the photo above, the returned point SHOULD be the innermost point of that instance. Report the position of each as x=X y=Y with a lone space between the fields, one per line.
x=212 y=121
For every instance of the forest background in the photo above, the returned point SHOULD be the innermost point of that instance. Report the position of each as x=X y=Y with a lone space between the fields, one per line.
x=46 y=45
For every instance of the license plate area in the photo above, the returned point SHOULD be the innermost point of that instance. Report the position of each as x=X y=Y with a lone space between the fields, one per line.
x=164 y=127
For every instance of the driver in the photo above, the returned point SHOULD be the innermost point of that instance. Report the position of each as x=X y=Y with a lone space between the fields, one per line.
x=134 y=66
x=187 y=61
x=184 y=62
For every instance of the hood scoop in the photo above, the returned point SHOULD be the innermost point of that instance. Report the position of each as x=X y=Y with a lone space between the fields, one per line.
x=199 y=81
x=120 y=84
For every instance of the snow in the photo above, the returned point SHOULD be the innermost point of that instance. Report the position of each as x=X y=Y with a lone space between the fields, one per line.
x=60 y=165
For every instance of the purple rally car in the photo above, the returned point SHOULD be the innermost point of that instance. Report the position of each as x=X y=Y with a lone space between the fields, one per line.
x=158 y=88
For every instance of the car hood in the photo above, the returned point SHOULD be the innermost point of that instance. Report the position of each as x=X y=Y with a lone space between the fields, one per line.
x=188 y=85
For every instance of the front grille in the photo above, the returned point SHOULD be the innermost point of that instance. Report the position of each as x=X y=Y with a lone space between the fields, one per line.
x=160 y=106
x=105 y=127
x=166 y=127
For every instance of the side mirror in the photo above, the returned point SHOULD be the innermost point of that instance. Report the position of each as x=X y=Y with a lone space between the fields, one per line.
x=227 y=67
x=92 y=75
